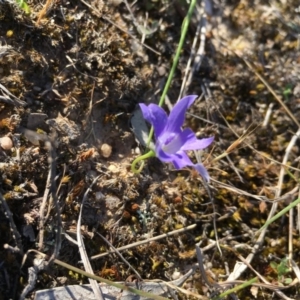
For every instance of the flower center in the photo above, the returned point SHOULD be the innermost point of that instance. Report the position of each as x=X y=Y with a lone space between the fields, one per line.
x=172 y=144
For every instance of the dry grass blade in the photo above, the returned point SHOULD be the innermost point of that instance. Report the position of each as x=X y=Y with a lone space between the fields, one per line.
x=287 y=110
x=202 y=270
x=81 y=247
x=286 y=197
x=46 y=8
x=80 y=68
x=52 y=162
x=165 y=235
x=15 y=233
x=242 y=267
x=10 y=98
x=188 y=70
x=295 y=269
x=42 y=211
x=276 y=289
x=117 y=26
x=177 y=283
x=298 y=214
x=121 y=256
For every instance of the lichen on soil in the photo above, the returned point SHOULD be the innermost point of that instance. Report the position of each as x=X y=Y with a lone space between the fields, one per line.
x=75 y=73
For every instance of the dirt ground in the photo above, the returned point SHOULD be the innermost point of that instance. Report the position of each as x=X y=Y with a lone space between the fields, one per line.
x=71 y=76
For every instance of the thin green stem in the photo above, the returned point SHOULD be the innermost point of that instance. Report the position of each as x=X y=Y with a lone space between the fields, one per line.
x=280 y=214
x=184 y=30
x=138 y=159
x=236 y=289
x=185 y=26
x=111 y=283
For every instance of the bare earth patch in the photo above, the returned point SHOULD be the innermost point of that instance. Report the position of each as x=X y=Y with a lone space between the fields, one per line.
x=71 y=76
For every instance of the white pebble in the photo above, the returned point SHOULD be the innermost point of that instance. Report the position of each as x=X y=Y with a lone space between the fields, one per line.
x=106 y=150
x=6 y=143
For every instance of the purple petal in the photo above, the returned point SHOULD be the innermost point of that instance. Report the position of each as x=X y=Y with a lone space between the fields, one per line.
x=203 y=172
x=176 y=117
x=161 y=155
x=190 y=142
x=170 y=143
x=156 y=116
x=181 y=160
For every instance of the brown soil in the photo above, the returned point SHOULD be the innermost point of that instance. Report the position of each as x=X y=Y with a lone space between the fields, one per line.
x=72 y=74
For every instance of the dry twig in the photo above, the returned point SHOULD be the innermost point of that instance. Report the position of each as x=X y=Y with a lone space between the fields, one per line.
x=15 y=233
x=81 y=247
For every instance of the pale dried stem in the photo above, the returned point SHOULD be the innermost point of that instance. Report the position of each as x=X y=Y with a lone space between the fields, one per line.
x=268 y=115
x=159 y=237
x=202 y=269
x=96 y=11
x=15 y=233
x=121 y=256
x=10 y=98
x=165 y=235
x=200 y=52
x=260 y=240
x=275 y=288
x=298 y=214
x=290 y=237
x=286 y=197
x=46 y=8
x=52 y=162
x=184 y=85
x=87 y=265
x=295 y=269
x=42 y=211
x=277 y=98
x=40 y=264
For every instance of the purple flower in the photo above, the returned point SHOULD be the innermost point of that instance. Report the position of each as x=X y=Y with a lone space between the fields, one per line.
x=171 y=140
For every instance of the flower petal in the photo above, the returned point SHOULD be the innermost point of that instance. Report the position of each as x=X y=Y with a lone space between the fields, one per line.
x=181 y=160
x=170 y=143
x=190 y=141
x=156 y=116
x=202 y=171
x=161 y=155
x=176 y=117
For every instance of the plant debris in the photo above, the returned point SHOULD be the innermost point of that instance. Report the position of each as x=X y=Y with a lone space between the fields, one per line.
x=72 y=74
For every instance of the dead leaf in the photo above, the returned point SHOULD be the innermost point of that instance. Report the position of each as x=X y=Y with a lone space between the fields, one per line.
x=262 y=206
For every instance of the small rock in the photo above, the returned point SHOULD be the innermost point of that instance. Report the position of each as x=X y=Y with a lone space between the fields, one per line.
x=106 y=150
x=161 y=70
x=99 y=196
x=29 y=100
x=137 y=151
x=90 y=175
x=115 y=2
x=36 y=88
x=113 y=169
x=6 y=143
x=36 y=120
x=176 y=275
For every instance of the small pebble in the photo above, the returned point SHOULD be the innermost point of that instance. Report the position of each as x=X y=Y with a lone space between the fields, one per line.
x=161 y=70
x=99 y=196
x=113 y=169
x=176 y=275
x=6 y=143
x=137 y=151
x=36 y=88
x=106 y=150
